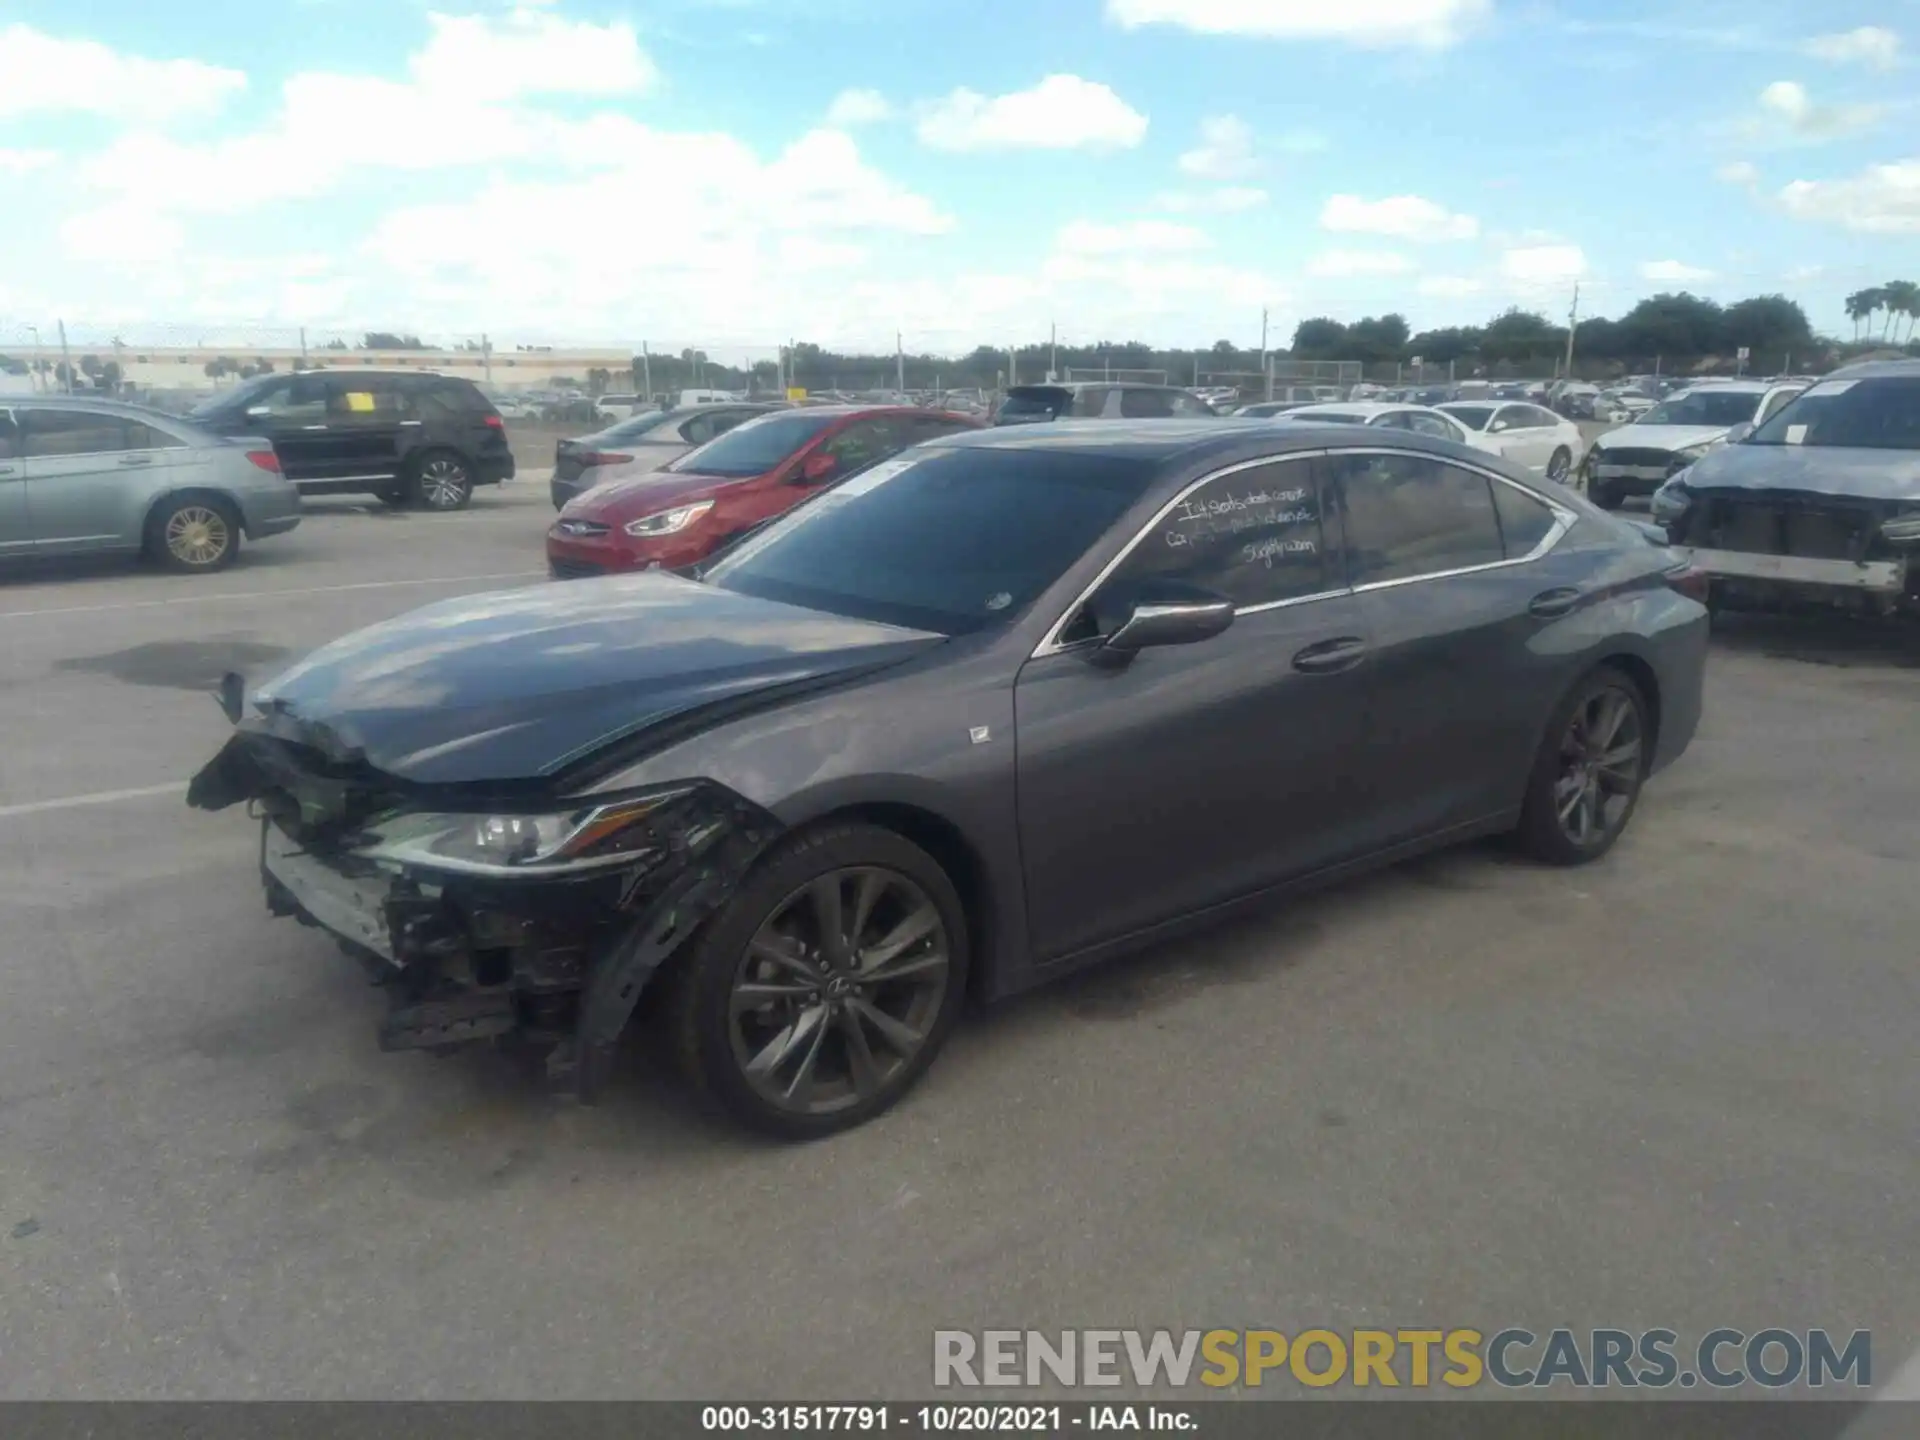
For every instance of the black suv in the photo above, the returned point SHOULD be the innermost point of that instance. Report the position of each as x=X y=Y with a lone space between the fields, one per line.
x=410 y=437
x=1103 y=400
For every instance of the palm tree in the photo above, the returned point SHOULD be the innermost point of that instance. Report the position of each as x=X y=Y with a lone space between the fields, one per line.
x=1860 y=305
x=1902 y=297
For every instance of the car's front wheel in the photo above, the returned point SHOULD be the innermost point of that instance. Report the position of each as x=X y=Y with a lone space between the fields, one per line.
x=1558 y=464
x=1587 y=775
x=823 y=992
x=194 y=534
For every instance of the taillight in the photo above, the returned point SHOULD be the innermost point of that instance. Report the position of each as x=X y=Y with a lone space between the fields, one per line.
x=1690 y=581
x=493 y=422
x=602 y=457
x=266 y=460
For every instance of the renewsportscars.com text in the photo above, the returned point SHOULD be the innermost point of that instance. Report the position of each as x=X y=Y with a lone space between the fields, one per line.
x=1459 y=1359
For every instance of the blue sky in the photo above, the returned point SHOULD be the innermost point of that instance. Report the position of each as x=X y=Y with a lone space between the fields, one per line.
x=730 y=173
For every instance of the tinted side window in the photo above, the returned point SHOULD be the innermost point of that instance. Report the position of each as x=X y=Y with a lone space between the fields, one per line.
x=698 y=429
x=861 y=444
x=436 y=399
x=1545 y=418
x=141 y=436
x=371 y=397
x=1409 y=515
x=1090 y=402
x=1146 y=404
x=1253 y=536
x=1524 y=521
x=73 y=432
x=1431 y=425
x=931 y=427
x=9 y=437
x=1184 y=404
x=302 y=399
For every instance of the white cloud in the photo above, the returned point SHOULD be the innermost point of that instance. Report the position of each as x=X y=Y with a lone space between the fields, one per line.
x=41 y=72
x=1673 y=272
x=1788 y=105
x=1450 y=287
x=1405 y=217
x=858 y=107
x=1880 y=200
x=1342 y=264
x=1062 y=112
x=1088 y=237
x=1739 y=172
x=1225 y=151
x=21 y=162
x=1544 y=264
x=1870 y=45
x=1432 y=23
x=530 y=51
x=1226 y=200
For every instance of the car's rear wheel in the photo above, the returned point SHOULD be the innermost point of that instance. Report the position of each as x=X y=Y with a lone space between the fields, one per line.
x=194 y=534
x=823 y=992
x=1589 y=770
x=1558 y=464
x=442 y=481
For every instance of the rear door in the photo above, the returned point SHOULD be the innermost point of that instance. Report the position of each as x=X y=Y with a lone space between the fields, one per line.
x=1447 y=561
x=1522 y=440
x=366 y=416
x=15 y=533
x=89 y=476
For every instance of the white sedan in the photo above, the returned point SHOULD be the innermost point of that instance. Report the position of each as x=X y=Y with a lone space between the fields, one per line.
x=1421 y=419
x=1529 y=435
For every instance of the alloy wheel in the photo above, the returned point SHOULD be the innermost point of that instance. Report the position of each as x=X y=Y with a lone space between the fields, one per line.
x=198 y=535
x=443 y=483
x=839 y=990
x=1558 y=466
x=1600 y=767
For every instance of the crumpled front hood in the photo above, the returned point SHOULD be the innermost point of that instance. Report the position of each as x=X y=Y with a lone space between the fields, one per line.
x=1659 y=437
x=631 y=495
x=519 y=684
x=1809 y=469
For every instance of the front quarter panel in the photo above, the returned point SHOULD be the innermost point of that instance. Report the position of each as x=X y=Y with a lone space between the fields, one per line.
x=935 y=735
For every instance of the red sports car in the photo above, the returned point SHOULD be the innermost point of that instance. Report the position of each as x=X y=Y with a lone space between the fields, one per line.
x=681 y=514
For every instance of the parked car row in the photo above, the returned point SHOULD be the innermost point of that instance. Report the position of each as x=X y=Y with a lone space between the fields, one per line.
x=1638 y=457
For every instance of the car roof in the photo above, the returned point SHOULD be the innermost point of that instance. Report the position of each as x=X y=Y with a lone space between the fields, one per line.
x=1360 y=407
x=1877 y=370
x=1073 y=385
x=102 y=403
x=1741 y=387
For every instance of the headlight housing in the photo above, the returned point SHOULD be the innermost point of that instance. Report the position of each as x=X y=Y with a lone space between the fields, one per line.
x=667 y=522
x=507 y=845
x=1902 y=529
x=1670 y=501
x=1687 y=455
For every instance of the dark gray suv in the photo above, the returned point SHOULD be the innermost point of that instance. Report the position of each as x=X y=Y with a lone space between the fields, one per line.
x=1099 y=400
x=410 y=437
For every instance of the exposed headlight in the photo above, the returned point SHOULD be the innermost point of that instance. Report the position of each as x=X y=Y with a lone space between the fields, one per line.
x=1670 y=501
x=504 y=845
x=668 y=522
x=1690 y=453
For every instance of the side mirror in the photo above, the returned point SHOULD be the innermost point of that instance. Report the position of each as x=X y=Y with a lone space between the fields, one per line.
x=1496 y=427
x=817 y=468
x=1167 y=615
x=1739 y=432
x=258 y=412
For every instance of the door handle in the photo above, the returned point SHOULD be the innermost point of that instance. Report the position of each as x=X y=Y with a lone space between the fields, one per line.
x=1552 y=604
x=1330 y=657
x=413 y=422
x=313 y=427
x=136 y=459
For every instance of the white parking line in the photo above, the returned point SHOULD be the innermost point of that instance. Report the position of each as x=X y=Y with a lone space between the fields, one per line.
x=99 y=797
x=266 y=594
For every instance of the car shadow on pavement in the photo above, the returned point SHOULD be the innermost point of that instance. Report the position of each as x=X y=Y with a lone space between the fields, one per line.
x=78 y=569
x=1839 y=640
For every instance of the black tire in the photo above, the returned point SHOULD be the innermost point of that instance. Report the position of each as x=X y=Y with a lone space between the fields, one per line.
x=1560 y=465
x=712 y=1035
x=440 y=480
x=194 y=534
x=1604 y=493
x=1567 y=767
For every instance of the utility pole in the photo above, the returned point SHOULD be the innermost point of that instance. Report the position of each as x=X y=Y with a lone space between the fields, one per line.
x=486 y=354
x=1013 y=368
x=1265 y=368
x=646 y=370
x=303 y=348
x=66 y=360
x=899 y=365
x=1573 y=321
x=1053 y=351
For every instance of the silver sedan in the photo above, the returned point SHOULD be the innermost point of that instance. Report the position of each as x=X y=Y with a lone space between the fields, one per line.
x=80 y=476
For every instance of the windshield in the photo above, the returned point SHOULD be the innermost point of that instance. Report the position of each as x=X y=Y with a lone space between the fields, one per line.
x=1704 y=407
x=228 y=401
x=949 y=539
x=1475 y=416
x=1877 y=414
x=755 y=447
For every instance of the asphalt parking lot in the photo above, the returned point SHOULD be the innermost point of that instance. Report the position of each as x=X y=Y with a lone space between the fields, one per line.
x=1675 y=1089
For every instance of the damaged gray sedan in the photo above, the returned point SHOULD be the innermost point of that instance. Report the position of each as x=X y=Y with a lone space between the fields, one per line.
x=1008 y=704
x=1818 y=507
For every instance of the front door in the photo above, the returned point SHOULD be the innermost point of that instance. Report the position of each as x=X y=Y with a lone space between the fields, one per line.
x=292 y=413
x=1438 y=557
x=15 y=533
x=1196 y=773
x=88 y=475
